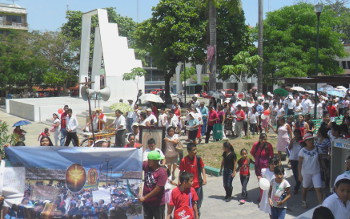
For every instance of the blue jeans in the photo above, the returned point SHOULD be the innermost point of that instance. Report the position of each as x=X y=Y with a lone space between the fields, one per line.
x=199 y=192
x=63 y=136
x=294 y=164
x=204 y=126
x=227 y=181
x=278 y=213
x=129 y=122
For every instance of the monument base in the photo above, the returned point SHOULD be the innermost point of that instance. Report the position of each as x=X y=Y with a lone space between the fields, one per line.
x=41 y=109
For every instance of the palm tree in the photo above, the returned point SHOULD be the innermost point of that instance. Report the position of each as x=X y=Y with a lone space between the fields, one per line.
x=212 y=5
x=260 y=46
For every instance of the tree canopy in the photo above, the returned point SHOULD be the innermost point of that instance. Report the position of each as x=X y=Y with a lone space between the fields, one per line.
x=290 y=42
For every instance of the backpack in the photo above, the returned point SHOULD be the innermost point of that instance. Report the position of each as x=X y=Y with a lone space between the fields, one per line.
x=199 y=169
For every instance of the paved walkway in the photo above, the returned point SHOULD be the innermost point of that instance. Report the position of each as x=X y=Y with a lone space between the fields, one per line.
x=213 y=205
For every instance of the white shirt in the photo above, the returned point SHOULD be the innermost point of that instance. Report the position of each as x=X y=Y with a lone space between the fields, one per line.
x=306 y=104
x=280 y=112
x=162 y=120
x=294 y=152
x=151 y=117
x=337 y=207
x=119 y=122
x=310 y=161
x=277 y=191
x=95 y=121
x=299 y=109
x=253 y=117
x=130 y=113
x=145 y=153
x=72 y=123
x=291 y=104
x=174 y=122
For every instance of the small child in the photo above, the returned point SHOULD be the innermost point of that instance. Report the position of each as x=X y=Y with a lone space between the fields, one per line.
x=268 y=173
x=244 y=173
x=279 y=194
x=339 y=202
x=45 y=133
x=184 y=198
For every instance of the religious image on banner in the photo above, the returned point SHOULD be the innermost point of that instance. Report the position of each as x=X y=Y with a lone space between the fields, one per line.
x=60 y=182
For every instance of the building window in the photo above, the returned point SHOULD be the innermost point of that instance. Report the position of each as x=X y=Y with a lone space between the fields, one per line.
x=14 y=19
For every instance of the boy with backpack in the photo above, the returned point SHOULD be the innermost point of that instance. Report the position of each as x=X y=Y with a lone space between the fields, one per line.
x=194 y=164
x=184 y=199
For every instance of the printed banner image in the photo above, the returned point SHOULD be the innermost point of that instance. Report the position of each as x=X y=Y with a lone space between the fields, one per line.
x=67 y=182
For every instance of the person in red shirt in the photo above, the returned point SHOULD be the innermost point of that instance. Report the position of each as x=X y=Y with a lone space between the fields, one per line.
x=332 y=110
x=244 y=173
x=212 y=119
x=184 y=198
x=194 y=164
x=64 y=125
x=240 y=116
x=132 y=143
x=153 y=196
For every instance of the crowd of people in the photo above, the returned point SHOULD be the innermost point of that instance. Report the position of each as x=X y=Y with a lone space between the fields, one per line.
x=288 y=116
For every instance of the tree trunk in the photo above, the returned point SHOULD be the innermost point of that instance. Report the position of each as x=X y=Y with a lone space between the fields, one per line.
x=167 y=77
x=212 y=42
x=260 y=46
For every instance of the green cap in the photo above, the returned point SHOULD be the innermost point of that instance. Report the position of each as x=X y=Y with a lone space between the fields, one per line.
x=154 y=155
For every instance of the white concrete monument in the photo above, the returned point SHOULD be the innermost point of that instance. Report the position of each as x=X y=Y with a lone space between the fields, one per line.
x=117 y=58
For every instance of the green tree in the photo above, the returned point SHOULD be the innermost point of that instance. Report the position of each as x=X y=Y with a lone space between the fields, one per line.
x=63 y=59
x=174 y=34
x=244 y=64
x=190 y=71
x=22 y=63
x=290 y=41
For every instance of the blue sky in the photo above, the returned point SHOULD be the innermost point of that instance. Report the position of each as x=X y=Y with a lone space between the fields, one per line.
x=50 y=14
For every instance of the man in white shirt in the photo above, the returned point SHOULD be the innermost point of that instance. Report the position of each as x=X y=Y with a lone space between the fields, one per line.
x=72 y=125
x=129 y=116
x=291 y=105
x=172 y=120
x=150 y=117
x=306 y=104
x=280 y=111
x=119 y=124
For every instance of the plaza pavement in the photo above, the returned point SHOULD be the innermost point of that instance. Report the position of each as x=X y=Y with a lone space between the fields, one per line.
x=214 y=206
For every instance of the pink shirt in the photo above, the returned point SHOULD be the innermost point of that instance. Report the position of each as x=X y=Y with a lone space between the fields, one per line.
x=212 y=115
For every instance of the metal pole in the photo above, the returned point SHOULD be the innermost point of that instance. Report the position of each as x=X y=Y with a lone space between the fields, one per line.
x=260 y=46
x=90 y=114
x=185 y=80
x=316 y=67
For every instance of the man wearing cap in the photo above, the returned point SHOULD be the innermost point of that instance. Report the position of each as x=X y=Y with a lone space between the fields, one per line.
x=129 y=116
x=119 y=124
x=153 y=197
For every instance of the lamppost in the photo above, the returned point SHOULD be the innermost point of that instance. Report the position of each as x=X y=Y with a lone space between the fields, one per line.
x=318 y=11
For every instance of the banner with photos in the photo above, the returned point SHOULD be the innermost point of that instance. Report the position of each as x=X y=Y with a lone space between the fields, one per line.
x=63 y=182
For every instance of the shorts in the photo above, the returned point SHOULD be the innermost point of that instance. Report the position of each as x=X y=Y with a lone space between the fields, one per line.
x=171 y=160
x=312 y=179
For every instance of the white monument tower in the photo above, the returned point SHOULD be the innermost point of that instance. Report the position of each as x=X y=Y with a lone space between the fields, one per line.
x=117 y=58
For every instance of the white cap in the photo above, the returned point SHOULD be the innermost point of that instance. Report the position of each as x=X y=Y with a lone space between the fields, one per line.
x=340 y=177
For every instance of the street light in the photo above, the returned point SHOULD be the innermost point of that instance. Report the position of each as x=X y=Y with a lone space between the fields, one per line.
x=318 y=11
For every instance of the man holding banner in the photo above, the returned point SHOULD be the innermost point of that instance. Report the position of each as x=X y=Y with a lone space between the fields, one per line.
x=153 y=197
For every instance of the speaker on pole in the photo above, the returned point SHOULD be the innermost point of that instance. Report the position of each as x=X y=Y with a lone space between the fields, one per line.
x=86 y=92
x=105 y=93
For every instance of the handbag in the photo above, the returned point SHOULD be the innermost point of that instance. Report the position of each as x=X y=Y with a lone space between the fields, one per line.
x=179 y=146
x=184 y=212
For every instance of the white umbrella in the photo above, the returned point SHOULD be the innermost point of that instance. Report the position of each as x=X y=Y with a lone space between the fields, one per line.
x=310 y=91
x=243 y=104
x=299 y=89
x=151 y=98
x=341 y=88
x=326 y=88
